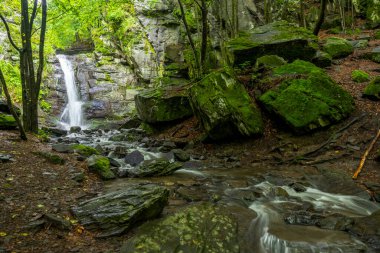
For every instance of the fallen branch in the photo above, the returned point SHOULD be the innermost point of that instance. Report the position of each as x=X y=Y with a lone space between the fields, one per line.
x=366 y=153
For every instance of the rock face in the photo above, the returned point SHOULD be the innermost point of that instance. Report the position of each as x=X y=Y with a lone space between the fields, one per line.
x=307 y=98
x=224 y=107
x=279 y=38
x=7 y=122
x=201 y=228
x=163 y=104
x=157 y=167
x=372 y=91
x=338 y=47
x=117 y=212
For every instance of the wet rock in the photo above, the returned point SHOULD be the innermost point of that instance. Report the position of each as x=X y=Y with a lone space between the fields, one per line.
x=114 y=162
x=336 y=222
x=55 y=131
x=155 y=168
x=180 y=155
x=117 y=212
x=308 y=99
x=302 y=218
x=201 y=228
x=167 y=146
x=7 y=122
x=375 y=189
x=298 y=187
x=119 y=152
x=84 y=150
x=75 y=129
x=372 y=91
x=63 y=148
x=192 y=194
x=134 y=158
x=5 y=158
x=163 y=104
x=338 y=47
x=100 y=165
x=224 y=107
x=279 y=38
x=367 y=230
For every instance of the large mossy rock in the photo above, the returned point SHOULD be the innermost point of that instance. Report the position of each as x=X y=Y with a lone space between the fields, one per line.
x=372 y=91
x=155 y=168
x=117 y=212
x=100 y=165
x=338 y=47
x=224 y=107
x=201 y=228
x=375 y=55
x=278 y=38
x=163 y=104
x=7 y=122
x=306 y=98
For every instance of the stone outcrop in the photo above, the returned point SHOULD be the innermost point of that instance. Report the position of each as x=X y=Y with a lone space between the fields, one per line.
x=338 y=47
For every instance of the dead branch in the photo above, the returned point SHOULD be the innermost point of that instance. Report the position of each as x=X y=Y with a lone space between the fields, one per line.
x=366 y=153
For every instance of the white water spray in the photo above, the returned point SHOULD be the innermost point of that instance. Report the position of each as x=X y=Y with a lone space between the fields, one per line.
x=73 y=112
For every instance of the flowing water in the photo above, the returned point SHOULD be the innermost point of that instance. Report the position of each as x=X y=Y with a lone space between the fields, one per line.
x=73 y=113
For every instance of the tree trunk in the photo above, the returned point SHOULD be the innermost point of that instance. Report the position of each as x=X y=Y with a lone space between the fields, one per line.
x=321 y=17
x=204 y=12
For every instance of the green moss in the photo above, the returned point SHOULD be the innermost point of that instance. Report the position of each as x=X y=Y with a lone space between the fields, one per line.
x=100 y=165
x=85 y=150
x=377 y=35
x=7 y=121
x=270 y=61
x=309 y=99
x=338 y=47
x=51 y=158
x=359 y=76
x=372 y=91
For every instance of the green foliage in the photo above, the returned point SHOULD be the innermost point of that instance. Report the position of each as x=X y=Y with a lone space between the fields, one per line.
x=12 y=77
x=359 y=76
x=85 y=150
x=372 y=91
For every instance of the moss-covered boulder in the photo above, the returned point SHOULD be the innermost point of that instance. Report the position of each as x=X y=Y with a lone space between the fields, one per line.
x=224 y=107
x=359 y=76
x=117 y=212
x=84 y=150
x=278 y=38
x=306 y=98
x=338 y=47
x=375 y=55
x=269 y=62
x=155 y=168
x=7 y=122
x=100 y=165
x=322 y=59
x=200 y=228
x=163 y=104
x=372 y=91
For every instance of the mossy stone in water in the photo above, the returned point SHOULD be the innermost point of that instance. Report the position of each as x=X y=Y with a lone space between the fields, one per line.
x=200 y=228
x=279 y=38
x=85 y=150
x=100 y=165
x=7 y=122
x=307 y=98
x=372 y=91
x=224 y=107
x=359 y=76
x=338 y=47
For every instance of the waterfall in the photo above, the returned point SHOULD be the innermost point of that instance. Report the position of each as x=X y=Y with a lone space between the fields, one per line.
x=73 y=113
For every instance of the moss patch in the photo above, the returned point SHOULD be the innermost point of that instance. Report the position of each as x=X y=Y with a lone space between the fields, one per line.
x=372 y=91
x=85 y=150
x=100 y=165
x=338 y=47
x=7 y=122
x=359 y=76
x=307 y=99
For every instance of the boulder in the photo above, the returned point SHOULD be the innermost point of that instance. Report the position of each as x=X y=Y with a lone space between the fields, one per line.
x=100 y=165
x=200 y=228
x=367 y=230
x=163 y=104
x=269 y=62
x=372 y=91
x=155 y=168
x=116 y=212
x=84 y=150
x=359 y=76
x=306 y=97
x=375 y=55
x=134 y=158
x=224 y=107
x=322 y=59
x=63 y=148
x=181 y=155
x=278 y=38
x=7 y=122
x=338 y=47
x=5 y=108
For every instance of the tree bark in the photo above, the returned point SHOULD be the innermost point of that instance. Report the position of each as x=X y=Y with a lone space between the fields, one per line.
x=204 y=12
x=321 y=17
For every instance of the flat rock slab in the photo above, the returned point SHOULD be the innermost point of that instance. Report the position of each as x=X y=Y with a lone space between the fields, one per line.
x=117 y=212
x=200 y=228
x=278 y=38
x=155 y=168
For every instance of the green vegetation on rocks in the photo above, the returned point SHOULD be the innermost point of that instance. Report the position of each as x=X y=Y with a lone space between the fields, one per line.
x=51 y=158
x=156 y=167
x=375 y=55
x=7 y=122
x=372 y=91
x=338 y=47
x=322 y=59
x=100 y=165
x=85 y=150
x=359 y=76
x=200 y=228
x=269 y=61
x=279 y=38
x=224 y=107
x=307 y=98
x=163 y=104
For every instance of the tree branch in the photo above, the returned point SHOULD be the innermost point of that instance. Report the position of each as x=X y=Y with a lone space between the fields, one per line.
x=41 y=48
x=9 y=33
x=34 y=13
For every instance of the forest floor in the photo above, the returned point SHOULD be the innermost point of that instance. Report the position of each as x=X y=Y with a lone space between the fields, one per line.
x=34 y=190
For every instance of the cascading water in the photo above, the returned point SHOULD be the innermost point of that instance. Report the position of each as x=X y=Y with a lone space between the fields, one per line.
x=73 y=113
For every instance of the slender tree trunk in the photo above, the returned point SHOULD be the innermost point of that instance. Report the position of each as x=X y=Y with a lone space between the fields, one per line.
x=321 y=17
x=204 y=12
x=11 y=108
